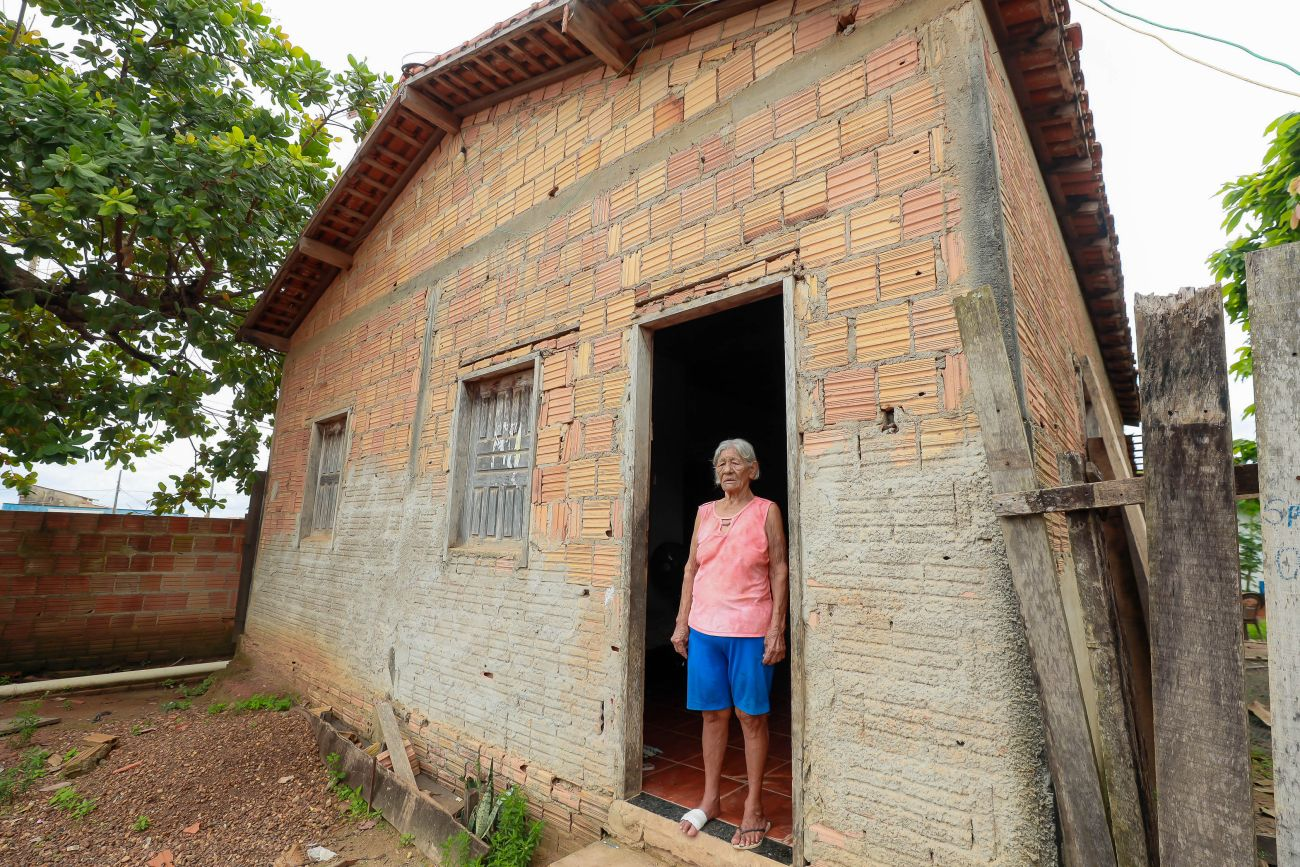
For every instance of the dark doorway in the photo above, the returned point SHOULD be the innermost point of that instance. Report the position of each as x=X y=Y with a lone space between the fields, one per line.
x=714 y=378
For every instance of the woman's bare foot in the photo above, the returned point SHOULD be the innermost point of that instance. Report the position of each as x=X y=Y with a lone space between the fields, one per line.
x=709 y=809
x=753 y=827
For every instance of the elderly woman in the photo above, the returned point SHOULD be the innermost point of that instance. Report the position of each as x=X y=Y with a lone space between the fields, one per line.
x=731 y=629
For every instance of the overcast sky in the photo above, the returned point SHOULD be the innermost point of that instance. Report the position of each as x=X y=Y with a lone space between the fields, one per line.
x=1172 y=132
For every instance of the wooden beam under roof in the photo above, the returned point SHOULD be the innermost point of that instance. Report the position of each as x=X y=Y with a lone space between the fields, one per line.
x=322 y=252
x=421 y=105
x=589 y=24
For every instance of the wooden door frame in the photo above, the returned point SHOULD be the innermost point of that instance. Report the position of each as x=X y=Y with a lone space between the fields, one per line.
x=636 y=502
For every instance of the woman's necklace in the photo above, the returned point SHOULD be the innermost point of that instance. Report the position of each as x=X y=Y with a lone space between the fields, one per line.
x=724 y=523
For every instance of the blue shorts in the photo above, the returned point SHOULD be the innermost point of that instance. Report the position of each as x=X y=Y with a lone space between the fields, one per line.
x=723 y=672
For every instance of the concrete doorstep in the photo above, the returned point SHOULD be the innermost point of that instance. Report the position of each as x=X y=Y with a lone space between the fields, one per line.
x=607 y=853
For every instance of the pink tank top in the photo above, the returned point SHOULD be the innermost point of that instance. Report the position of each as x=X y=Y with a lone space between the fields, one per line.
x=732 y=593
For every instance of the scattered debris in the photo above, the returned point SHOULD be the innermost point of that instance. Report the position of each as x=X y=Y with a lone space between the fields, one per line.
x=294 y=856
x=368 y=824
x=88 y=760
x=320 y=854
x=285 y=779
x=129 y=767
x=162 y=859
x=101 y=715
x=191 y=829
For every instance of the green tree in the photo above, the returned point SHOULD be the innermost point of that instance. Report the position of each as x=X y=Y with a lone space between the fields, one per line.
x=1266 y=207
x=152 y=177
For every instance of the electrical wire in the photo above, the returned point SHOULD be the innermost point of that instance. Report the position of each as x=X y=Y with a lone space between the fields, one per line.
x=1218 y=39
x=1183 y=54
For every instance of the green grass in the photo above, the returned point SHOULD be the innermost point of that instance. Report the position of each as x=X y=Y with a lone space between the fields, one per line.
x=1258 y=631
x=70 y=800
x=262 y=701
x=141 y=824
x=178 y=704
x=21 y=777
x=216 y=707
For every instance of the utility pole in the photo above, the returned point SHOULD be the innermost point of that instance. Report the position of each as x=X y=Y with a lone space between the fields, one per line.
x=117 y=490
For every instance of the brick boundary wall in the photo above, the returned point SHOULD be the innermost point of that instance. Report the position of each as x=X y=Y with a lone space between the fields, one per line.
x=94 y=591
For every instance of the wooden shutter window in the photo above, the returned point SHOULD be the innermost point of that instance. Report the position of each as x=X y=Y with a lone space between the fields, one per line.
x=500 y=459
x=329 y=471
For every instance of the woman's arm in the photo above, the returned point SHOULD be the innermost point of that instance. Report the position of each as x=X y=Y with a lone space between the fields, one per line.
x=778 y=570
x=682 y=632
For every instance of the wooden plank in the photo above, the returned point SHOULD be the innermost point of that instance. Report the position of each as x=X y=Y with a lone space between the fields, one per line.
x=586 y=22
x=1266 y=717
x=1273 y=277
x=13 y=726
x=1084 y=828
x=1117 y=742
x=1095 y=495
x=265 y=339
x=322 y=252
x=392 y=737
x=1105 y=494
x=1112 y=436
x=421 y=106
x=1202 y=766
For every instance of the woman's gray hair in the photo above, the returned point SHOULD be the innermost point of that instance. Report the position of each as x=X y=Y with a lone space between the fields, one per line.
x=742 y=447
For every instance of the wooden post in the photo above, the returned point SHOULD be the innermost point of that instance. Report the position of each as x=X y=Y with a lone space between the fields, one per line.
x=1202 y=757
x=1273 y=277
x=1110 y=674
x=1084 y=827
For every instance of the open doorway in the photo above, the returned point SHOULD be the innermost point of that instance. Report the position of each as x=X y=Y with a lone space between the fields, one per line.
x=715 y=377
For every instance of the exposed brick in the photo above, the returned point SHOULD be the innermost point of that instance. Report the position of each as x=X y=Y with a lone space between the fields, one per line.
x=754 y=131
x=841 y=89
x=850 y=182
x=773 y=50
x=910 y=383
x=922 y=210
x=903 y=163
x=851 y=284
x=907 y=270
x=850 y=395
x=876 y=225
x=762 y=215
x=934 y=325
x=822 y=242
x=827 y=344
x=736 y=72
x=893 y=63
x=795 y=111
x=817 y=148
x=864 y=128
x=805 y=200
x=774 y=167
x=702 y=93
x=915 y=106
x=882 y=333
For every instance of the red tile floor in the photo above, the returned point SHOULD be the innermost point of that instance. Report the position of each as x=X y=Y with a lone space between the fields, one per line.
x=678 y=774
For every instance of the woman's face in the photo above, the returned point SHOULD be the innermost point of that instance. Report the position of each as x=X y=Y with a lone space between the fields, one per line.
x=734 y=473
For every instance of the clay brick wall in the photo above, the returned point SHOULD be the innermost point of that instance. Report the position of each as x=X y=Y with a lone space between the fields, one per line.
x=778 y=143
x=1052 y=324
x=94 y=591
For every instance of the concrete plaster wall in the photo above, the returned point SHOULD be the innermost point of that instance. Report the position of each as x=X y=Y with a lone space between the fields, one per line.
x=780 y=142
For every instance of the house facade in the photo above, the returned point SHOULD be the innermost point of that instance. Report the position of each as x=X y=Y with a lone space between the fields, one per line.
x=576 y=250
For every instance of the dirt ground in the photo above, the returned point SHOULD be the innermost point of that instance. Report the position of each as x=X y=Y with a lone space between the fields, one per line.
x=252 y=782
x=1261 y=739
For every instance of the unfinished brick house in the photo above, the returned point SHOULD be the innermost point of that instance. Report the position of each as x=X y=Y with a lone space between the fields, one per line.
x=589 y=226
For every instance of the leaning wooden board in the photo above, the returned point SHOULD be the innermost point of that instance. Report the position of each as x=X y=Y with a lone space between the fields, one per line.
x=404 y=807
x=1084 y=826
